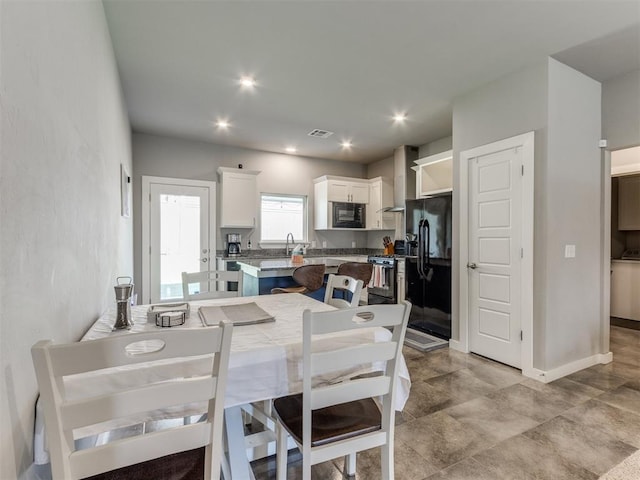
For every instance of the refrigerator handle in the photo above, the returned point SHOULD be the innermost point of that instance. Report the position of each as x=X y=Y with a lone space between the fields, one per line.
x=419 y=260
x=427 y=271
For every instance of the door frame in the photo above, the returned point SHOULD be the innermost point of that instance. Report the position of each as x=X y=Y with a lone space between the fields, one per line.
x=526 y=142
x=145 y=245
x=605 y=239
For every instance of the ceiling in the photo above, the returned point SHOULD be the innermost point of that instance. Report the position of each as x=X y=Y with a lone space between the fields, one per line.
x=345 y=66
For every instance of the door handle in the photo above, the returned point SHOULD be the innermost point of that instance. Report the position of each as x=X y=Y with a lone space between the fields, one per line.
x=205 y=260
x=472 y=266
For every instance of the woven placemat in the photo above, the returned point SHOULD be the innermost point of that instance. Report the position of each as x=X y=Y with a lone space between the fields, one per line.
x=242 y=314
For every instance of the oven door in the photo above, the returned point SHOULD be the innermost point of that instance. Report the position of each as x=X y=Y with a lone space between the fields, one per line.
x=387 y=293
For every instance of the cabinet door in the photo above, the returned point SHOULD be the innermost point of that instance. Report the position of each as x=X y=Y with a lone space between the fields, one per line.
x=629 y=203
x=238 y=200
x=338 y=191
x=359 y=193
x=375 y=204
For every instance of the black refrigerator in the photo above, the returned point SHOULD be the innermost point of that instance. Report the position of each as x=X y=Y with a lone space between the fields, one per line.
x=428 y=264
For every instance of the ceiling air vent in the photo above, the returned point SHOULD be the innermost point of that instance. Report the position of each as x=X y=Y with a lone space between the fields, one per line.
x=316 y=132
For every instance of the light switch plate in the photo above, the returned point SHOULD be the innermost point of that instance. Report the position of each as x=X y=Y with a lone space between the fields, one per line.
x=569 y=251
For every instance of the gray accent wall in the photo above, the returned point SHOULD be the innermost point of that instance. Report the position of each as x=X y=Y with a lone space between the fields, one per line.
x=562 y=107
x=63 y=241
x=160 y=156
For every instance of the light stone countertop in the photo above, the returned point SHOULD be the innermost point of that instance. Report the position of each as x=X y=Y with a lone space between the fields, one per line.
x=283 y=267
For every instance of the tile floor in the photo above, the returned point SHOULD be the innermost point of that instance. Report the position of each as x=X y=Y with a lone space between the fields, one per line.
x=470 y=418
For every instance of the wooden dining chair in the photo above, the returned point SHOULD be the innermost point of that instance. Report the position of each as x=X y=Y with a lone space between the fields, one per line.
x=308 y=277
x=211 y=284
x=63 y=414
x=331 y=419
x=341 y=284
x=360 y=271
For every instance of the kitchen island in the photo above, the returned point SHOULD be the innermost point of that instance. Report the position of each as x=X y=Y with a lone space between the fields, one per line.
x=260 y=275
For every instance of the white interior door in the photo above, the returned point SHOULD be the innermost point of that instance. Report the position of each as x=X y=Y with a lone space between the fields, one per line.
x=180 y=226
x=495 y=249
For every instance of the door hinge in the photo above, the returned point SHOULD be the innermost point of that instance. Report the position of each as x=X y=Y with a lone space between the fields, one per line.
x=520 y=335
x=522 y=170
x=149 y=197
x=522 y=253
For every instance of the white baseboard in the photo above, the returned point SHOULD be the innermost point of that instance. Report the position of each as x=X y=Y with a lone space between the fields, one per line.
x=568 y=368
x=456 y=345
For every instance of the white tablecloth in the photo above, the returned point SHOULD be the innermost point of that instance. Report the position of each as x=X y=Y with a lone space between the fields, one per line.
x=265 y=361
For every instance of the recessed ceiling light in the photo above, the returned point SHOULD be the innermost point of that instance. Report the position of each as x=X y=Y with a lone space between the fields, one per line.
x=400 y=117
x=346 y=144
x=223 y=124
x=291 y=149
x=247 y=82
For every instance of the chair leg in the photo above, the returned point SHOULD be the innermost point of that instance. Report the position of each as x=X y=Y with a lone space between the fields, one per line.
x=281 y=452
x=350 y=464
x=387 y=461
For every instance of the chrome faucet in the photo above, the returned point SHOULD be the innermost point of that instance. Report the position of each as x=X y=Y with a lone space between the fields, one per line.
x=288 y=252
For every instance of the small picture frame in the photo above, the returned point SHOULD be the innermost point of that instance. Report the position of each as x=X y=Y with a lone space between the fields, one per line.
x=125 y=192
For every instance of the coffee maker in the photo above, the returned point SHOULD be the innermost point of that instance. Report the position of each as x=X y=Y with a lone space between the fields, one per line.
x=234 y=242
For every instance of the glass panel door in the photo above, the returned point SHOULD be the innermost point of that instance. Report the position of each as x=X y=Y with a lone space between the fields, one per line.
x=179 y=237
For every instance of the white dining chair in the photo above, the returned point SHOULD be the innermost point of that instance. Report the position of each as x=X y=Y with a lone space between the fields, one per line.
x=63 y=414
x=333 y=419
x=341 y=284
x=211 y=284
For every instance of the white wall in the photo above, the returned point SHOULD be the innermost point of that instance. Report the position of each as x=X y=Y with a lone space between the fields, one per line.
x=573 y=193
x=621 y=110
x=509 y=106
x=562 y=106
x=62 y=241
x=172 y=157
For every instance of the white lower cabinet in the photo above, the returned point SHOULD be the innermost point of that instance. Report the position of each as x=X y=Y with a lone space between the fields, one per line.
x=625 y=285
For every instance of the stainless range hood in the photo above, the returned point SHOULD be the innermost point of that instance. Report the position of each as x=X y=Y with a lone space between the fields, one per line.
x=392 y=209
x=404 y=177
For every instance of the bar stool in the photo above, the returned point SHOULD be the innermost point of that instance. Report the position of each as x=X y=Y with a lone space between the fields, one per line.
x=360 y=271
x=309 y=278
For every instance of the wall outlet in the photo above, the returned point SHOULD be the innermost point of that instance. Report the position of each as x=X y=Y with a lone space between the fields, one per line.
x=569 y=251
x=324 y=244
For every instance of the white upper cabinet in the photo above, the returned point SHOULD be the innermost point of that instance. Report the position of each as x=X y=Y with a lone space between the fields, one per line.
x=380 y=196
x=434 y=174
x=346 y=190
x=238 y=197
x=629 y=202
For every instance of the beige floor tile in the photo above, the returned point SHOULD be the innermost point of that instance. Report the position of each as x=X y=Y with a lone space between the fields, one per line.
x=623 y=397
x=621 y=424
x=524 y=459
x=440 y=439
x=564 y=389
x=597 y=378
x=467 y=469
x=529 y=402
x=593 y=449
x=491 y=420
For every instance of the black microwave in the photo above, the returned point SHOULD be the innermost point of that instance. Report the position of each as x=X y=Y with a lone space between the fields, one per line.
x=348 y=215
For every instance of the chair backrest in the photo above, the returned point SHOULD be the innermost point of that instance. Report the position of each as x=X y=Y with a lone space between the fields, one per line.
x=358 y=270
x=341 y=284
x=340 y=358
x=309 y=276
x=53 y=363
x=211 y=284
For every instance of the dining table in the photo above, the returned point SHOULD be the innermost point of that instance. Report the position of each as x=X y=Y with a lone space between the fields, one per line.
x=265 y=363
